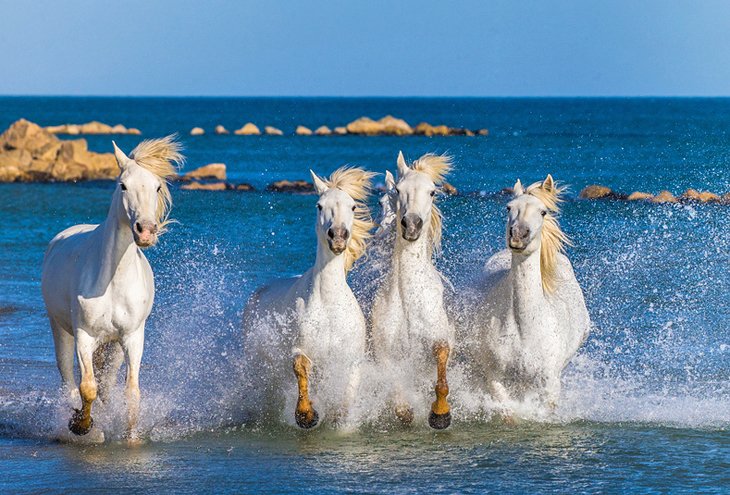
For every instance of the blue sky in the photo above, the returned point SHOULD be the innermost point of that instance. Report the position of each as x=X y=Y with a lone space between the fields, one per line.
x=365 y=48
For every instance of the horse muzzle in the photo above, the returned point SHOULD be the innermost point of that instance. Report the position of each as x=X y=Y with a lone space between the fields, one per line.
x=337 y=239
x=145 y=234
x=411 y=227
x=519 y=238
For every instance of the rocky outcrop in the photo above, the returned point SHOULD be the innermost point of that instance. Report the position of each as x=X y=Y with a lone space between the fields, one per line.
x=212 y=171
x=197 y=131
x=340 y=131
x=664 y=197
x=30 y=153
x=701 y=197
x=248 y=130
x=323 y=130
x=273 y=131
x=303 y=131
x=596 y=192
x=426 y=129
x=639 y=196
x=219 y=129
x=395 y=127
x=449 y=189
x=93 y=127
x=296 y=186
x=199 y=186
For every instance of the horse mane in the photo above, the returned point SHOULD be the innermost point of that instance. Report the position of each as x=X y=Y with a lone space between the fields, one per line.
x=436 y=167
x=157 y=156
x=356 y=182
x=553 y=240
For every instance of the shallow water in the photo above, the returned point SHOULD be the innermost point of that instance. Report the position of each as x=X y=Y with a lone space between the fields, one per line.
x=646 y=403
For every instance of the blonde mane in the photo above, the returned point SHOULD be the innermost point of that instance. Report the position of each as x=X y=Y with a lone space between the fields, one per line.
x=436 y=167
x=553 y=240
x=157 y=156
x=356 y=182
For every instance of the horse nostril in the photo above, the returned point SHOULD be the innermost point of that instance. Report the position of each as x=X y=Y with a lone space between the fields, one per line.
x=403 y=222
x=154 y=229
x=138 y=226
x=419 y=223
x=331 y=233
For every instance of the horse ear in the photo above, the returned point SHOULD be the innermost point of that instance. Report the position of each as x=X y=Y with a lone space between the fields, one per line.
x=517 y=189
x=319 y=185
x=402 y=167
x=389 y=181
x=548 y=184
x=122 y=159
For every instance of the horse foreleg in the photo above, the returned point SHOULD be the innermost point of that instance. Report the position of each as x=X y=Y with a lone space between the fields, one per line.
x=403 y=410
x=81 y=422
x=440 y=416
x=133 y=346
x=305 y=415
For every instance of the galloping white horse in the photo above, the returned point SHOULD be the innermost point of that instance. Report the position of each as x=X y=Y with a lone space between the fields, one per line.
x=409 y=323
x=529 y=317
x=313 y=322
x=98 y=286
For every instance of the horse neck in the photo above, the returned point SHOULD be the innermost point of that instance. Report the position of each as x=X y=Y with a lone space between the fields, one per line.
x=328 y=274
x=413 y=255
x=527 y=292
x=116 y=241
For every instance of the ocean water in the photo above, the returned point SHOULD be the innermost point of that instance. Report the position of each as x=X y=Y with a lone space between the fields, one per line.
x=646 y=402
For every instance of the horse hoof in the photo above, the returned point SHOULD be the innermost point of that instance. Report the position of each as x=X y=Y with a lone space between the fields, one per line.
x=307 y=420
x=404 y=414
x=75 y=424
x=439 y=421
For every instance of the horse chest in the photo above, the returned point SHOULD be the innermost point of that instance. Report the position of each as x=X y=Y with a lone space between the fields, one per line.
x=332 y=324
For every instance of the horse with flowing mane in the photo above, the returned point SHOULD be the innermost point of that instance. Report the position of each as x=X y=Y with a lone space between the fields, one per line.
x=313 y=323
x=528 y=317
x=411 y=331
x=98 y=286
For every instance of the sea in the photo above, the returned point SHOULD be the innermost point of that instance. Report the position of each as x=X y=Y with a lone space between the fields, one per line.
x=645 y=405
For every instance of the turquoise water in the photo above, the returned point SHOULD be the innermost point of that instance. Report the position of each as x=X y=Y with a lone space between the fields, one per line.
x=646 y=403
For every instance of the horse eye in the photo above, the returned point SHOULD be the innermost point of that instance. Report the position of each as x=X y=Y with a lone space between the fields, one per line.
x=319 y=207
x=121 y=184
x=159 y=188
x=509 y=208
x=543 y=213
x=433 y=193
x=353 y=208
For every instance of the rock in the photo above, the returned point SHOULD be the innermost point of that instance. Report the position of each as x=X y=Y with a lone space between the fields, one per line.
x=449 y=189
x=340 y=131
x=197 y=131
x=30 y=153
x=244 y=187
x=726 y=198
x=212 y=186
x=248 y=130
x=212 y=171
x=303 y=131
x=273 y=131
x=664 y=197
x=483 y=132
x=364 y=126
x=596 y=192
x=702 y=197
x=297 y=186
x=426 y=129
x=395 y=127
x=93 y=127
x=638 y=196
x=323 y=130
x=219 y=129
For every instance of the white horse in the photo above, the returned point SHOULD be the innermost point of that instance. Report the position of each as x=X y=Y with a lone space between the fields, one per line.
x=529 y=317
x=410 y=326
x=313 y=322
x=98 y=286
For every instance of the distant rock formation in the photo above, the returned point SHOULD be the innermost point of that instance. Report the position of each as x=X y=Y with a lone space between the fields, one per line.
x=219 y=129
x=197 y=131
x=297 y=186
x=303 y=131
x=639 y=196
x=273 y=131
x=323 y=130
x=29 y=153
x=212 y=171
x=93 y=127
x=596 y=192
x=248 y=130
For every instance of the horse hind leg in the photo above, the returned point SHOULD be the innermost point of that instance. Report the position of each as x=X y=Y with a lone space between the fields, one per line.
x=108 y=358
x=305 y=414
x=440 y=417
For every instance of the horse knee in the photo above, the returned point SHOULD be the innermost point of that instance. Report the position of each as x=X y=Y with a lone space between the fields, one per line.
x=88 y=390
